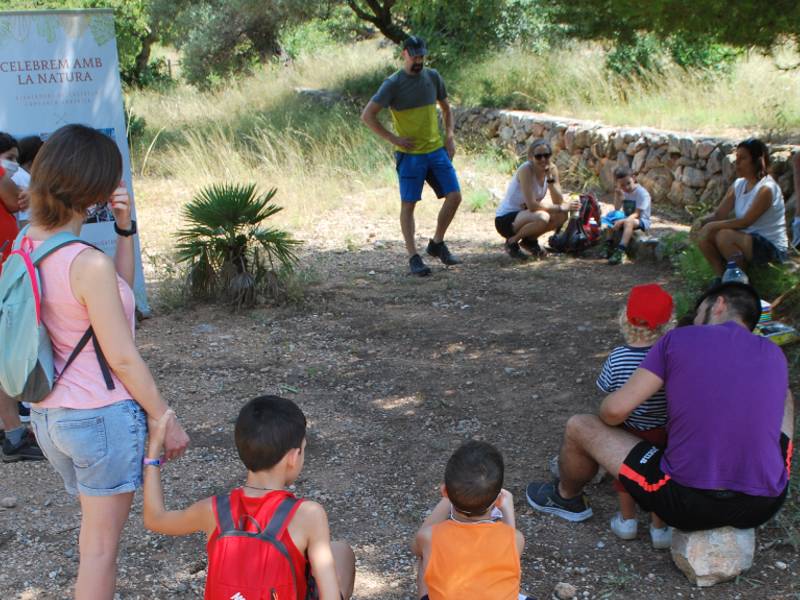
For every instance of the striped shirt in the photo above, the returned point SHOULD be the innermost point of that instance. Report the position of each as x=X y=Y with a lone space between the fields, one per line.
x=618 y=368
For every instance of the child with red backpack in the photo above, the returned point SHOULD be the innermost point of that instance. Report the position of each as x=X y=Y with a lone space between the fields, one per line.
x=263 y=542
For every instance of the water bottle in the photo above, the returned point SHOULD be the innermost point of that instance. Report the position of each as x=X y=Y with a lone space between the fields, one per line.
x=734 y=273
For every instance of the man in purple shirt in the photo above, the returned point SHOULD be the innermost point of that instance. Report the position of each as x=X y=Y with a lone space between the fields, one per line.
x=730 y=425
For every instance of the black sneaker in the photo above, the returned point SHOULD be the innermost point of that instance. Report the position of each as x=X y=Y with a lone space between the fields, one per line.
x=24 y=413
x=545 y=498
x=418 y=267
x=532 y=246
x=512 y=249
x=27 y=449
x=442 y=252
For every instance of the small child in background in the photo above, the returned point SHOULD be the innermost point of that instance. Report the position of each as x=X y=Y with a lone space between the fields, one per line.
x=262 y=541
x=468 y=547
x=635 y=202
x=647 y=317
x=28 y=149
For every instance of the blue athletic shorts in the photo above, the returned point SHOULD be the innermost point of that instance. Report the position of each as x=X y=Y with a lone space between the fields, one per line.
x=415 y=169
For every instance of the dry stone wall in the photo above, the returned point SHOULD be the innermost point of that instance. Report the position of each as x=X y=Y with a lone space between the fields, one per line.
x=676 y=168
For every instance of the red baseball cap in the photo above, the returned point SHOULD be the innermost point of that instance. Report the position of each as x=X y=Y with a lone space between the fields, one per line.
x=649 y=306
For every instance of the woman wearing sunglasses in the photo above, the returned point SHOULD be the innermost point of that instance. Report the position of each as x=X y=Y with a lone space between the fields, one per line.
x=533 y=204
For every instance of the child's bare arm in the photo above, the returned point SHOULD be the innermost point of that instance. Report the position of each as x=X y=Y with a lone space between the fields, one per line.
x=198 y=517
x=618 y=197
x=319 y=550
x=439 y=513
x=506 y=506
x=520 y=540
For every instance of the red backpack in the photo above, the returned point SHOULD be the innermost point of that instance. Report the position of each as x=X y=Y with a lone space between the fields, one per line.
x=582 y=231
x=246 y=562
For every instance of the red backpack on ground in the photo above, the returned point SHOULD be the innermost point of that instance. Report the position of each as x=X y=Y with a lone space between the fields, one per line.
x=246 y=562
x=582 y=231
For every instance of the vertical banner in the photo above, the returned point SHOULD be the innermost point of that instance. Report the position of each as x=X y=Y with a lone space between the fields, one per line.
x=61 y=67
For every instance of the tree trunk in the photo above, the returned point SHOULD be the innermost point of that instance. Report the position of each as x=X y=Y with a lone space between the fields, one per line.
x=379 y=14
x=143 y=58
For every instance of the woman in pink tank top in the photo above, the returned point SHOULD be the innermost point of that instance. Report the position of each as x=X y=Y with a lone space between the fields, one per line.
x=93 y=424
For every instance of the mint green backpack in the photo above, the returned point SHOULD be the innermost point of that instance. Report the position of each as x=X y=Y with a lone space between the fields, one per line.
x=26 y=354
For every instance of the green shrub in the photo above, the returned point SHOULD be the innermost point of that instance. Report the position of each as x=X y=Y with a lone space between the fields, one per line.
x=231 y=254
x=478 y=200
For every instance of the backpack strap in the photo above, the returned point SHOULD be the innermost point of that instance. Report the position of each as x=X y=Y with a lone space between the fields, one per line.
x=224 y=513
x=277 y=525
x=105 y=370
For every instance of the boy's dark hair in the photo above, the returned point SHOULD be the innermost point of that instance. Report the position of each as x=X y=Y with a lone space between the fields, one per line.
x=7 y=142
x=266 y=429
x=622 y=172
x=759 y=154
x=742 y=299
x=76 y=168
x=473 y=477
x=28 y=148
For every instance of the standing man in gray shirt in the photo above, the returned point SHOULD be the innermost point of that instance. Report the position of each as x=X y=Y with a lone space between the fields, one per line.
x=411 y=94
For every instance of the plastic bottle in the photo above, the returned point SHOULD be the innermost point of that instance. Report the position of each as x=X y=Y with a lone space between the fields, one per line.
x=734 y=273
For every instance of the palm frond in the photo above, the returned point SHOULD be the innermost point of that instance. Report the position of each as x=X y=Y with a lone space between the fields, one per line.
x=224 y=239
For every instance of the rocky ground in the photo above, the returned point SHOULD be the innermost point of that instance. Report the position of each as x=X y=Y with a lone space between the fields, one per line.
x=393 y=373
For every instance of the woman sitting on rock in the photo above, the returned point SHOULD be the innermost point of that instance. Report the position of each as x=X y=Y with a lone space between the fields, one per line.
x=533 y=204
x=756 y=231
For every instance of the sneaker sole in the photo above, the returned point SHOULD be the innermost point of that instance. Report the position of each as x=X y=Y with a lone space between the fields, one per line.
x=560 y=512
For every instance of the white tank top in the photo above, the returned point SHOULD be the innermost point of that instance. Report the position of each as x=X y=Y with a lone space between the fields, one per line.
x=772 y=224
x=514 y=200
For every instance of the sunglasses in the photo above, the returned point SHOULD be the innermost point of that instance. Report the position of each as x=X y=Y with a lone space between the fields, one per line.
x=542 y=156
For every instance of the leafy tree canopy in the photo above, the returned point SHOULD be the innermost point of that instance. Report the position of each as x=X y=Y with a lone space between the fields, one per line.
x=744 y=24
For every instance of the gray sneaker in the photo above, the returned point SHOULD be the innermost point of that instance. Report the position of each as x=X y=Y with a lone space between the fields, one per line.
x=544 y=497
x=442 y=252
x=418 y=267
x=27 y=449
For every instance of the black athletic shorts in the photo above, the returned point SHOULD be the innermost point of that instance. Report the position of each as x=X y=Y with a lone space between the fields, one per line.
x=505 y=224
x=693 y=509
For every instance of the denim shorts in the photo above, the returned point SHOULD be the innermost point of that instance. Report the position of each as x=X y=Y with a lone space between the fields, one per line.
x=434 y=168
x=97 y=451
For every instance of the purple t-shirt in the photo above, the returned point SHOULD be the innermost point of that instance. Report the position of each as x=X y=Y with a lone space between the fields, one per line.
x=726 y=390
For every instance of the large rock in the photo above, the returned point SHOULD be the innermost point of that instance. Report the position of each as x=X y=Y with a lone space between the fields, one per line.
x=713 y=556
x=694 y=177
x=705 y=148
x=714 y=164
x=638 y=160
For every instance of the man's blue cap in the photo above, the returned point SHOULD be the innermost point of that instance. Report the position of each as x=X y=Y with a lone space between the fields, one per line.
x=415 y=46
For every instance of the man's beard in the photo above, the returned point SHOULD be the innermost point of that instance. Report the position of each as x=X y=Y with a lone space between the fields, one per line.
x=417 y=67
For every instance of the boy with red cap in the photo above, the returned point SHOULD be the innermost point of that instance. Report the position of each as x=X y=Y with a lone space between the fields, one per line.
x=646 y=317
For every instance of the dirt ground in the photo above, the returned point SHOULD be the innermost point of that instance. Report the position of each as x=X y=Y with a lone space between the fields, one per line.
x=393 y=373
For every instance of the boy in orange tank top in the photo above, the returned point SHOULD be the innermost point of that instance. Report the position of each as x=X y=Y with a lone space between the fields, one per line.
x=468 y=547
x=270 y=436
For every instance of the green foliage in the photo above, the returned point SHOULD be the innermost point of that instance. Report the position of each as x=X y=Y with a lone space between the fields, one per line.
x=478 y=200
x=691 y=266
x=456 y=29
x=229 y=37
x=740 y=24
x=637 y=57
x=772 y=280
x=230 y=253
x=531 y=23
x=644 y=54
x=306 y=38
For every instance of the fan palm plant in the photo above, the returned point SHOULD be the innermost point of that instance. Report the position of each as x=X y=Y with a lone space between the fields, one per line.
x=231 y=254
